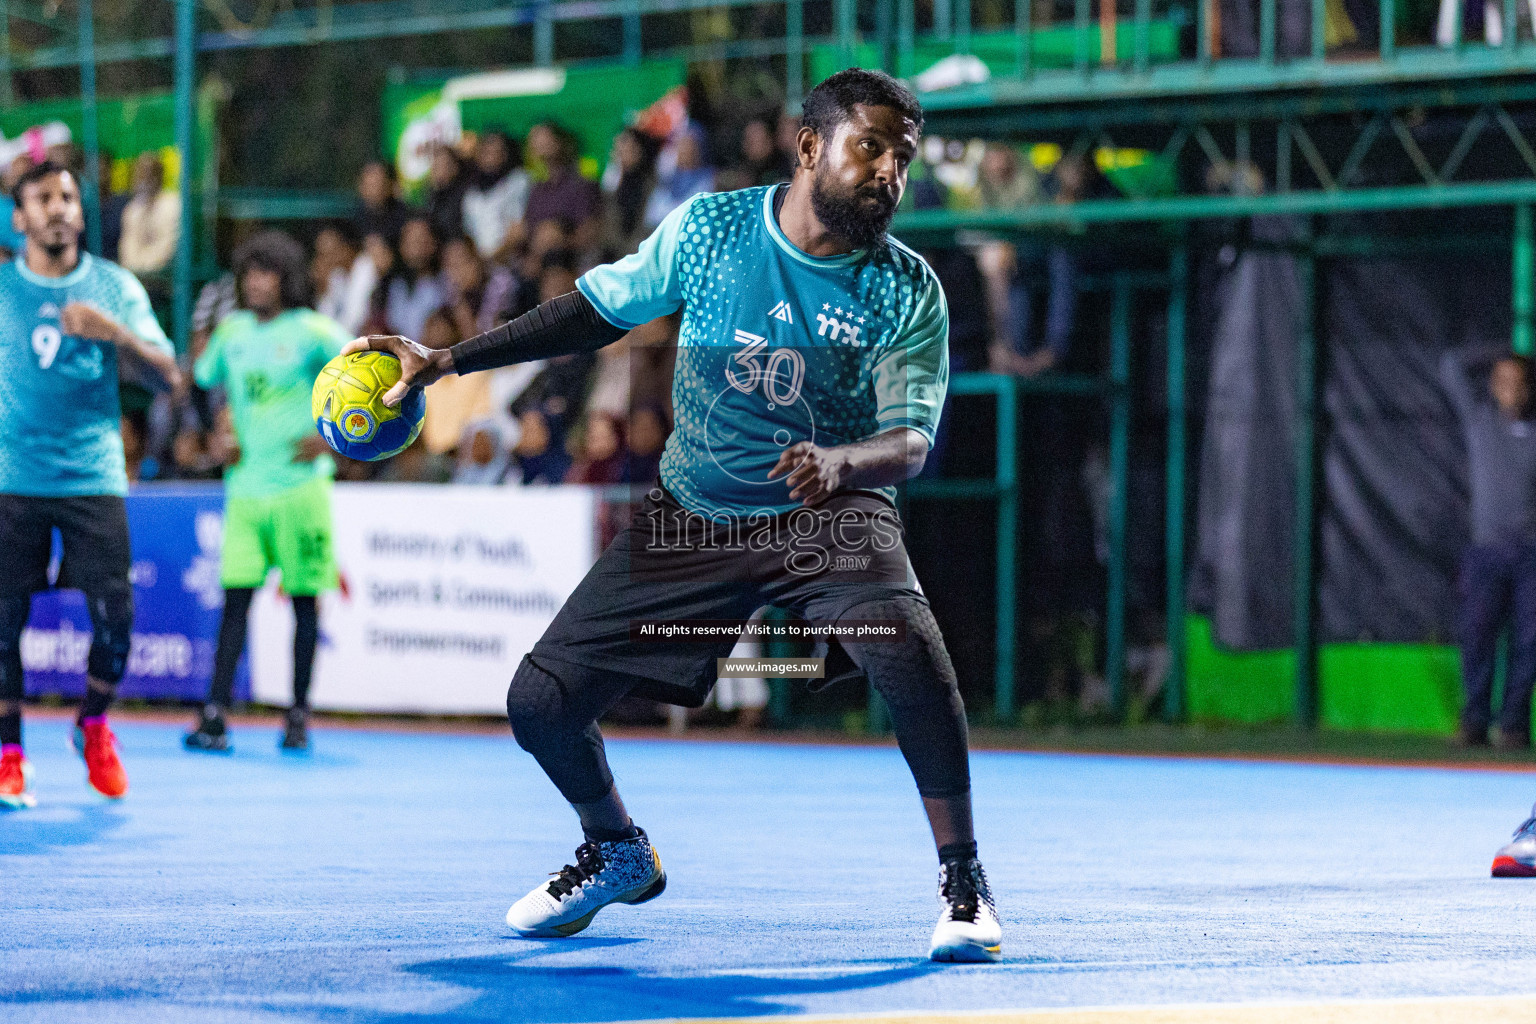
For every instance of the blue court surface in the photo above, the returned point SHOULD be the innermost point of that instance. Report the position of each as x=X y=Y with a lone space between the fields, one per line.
x=367 y=883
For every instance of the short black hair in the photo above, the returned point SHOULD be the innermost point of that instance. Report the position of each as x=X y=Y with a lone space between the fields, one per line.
x=37 y=172
x=278 y=253
x=830 y=103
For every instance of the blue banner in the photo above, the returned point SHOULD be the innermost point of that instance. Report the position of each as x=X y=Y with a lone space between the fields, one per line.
x=175 y=532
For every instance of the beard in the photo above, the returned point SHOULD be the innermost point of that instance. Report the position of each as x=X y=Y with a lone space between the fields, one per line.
x=847 y=213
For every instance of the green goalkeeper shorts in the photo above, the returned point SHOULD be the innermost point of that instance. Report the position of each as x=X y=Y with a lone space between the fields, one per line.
x=289 y=530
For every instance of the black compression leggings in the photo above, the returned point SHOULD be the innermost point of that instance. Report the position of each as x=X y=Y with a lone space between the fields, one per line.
x=553 y=707
x=232 y=629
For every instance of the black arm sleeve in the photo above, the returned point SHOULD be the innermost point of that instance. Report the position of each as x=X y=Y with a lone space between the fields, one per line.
x=569 y=323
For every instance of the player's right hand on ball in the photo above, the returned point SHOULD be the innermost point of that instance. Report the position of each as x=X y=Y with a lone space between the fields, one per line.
x=419 y=365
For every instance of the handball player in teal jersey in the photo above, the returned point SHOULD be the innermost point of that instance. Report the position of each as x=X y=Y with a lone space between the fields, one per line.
x=811 y=370
x=67 y=322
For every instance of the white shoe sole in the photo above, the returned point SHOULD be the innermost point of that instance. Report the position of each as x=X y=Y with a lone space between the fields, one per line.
x=966 y=953
x=25 y=798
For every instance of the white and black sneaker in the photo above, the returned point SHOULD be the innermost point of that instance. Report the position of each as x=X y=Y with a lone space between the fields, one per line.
x=968 y=930
x=627 y=871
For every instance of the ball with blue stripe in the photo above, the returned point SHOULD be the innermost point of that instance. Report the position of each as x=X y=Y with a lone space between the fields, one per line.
x=349 y=410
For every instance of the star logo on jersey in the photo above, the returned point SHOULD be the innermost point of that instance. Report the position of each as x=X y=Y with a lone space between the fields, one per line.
x=848 y=331
x=781 y=312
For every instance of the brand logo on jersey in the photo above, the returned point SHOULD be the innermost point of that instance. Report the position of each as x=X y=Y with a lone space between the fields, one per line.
x=748 y=338
x=838 y=330
x=781 y=312
x=48 y=311
x=840 y=324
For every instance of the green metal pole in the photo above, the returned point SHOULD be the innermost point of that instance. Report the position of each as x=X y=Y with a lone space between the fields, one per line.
x=543 y=36
x=1267 y=31
x=7 y=94
x=1388 y=19
x=1024 y=28
x=1007 y=543
x=1522 y=341
x=794 y=60
x=181 y=290
x=847 y=27
x=89 y=139
x=1080 y=24
x=1319 y=29
x=885 y=35
x=963 y=26
x=1304 y=589
x=1178 y=438
x=632 y=38
x=1119 y=488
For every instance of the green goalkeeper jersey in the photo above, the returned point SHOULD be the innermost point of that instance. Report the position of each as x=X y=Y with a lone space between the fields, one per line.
x=267 y=370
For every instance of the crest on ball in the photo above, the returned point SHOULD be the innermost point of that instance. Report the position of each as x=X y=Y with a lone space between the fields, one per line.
x=349 y=410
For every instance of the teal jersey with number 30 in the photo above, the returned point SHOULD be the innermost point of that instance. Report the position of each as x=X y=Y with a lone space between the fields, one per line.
x=60 y=422
x=776 y=346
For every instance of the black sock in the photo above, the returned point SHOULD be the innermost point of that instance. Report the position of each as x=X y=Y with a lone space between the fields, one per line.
x=10 y=729
x=957 y=851
x=610 y=835
x=96 y=701
x=306 y=636
x=237 y=603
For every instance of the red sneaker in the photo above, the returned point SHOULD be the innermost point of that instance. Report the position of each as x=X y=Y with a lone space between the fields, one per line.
x=15 y=779
x=104 y=771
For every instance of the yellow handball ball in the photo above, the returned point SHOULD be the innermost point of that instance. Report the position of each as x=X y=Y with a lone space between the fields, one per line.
x=348 y=405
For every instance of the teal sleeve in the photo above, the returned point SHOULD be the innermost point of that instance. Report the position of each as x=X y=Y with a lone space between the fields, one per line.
x=912 y=377
x=643 y=285
x=208 y=371
x=139 y=316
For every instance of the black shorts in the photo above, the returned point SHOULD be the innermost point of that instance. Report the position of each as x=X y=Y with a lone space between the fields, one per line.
x=94 y=529
x=668 y=564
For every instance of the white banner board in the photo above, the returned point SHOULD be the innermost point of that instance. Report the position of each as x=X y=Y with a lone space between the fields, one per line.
x=444 y=589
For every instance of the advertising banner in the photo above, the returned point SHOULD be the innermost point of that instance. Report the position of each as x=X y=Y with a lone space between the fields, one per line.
x=444 y=589
x=175 y=534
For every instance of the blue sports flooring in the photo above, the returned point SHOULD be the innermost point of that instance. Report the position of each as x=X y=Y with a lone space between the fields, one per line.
x=367 y=883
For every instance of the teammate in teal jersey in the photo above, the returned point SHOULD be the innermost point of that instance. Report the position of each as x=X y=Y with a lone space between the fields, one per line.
x=277 y=504
x=811 y=371
x=67 y=322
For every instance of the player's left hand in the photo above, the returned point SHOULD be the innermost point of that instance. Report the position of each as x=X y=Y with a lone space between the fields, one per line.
x=309 y=448
x=814 y=472
x=83 y=320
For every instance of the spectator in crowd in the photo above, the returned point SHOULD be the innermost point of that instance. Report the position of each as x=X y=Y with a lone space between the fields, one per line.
x=497 y=196
x=478 y=296
x=151 y=219
x=1498 y=572
x=362 y=305
x=414 y=291
x=446 y=184
x=627 y=183
x=484 y=457
x=562 y=194
x=539 y=457
x=681 y=174
x=330 y=271
x=380 y=210
x=455 y=400
x=761 y=161
x=112 y=205
x=1055 y=261
x=1004 y=182
x=647 y=436
x=599 y=450
x=12 y=242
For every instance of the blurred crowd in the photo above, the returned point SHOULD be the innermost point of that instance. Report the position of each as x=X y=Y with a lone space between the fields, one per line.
x=504 y=223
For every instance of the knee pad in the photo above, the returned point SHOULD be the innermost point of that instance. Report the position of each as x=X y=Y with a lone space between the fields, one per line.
x=919 y=662
x=532 y=702
x=111 y=636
